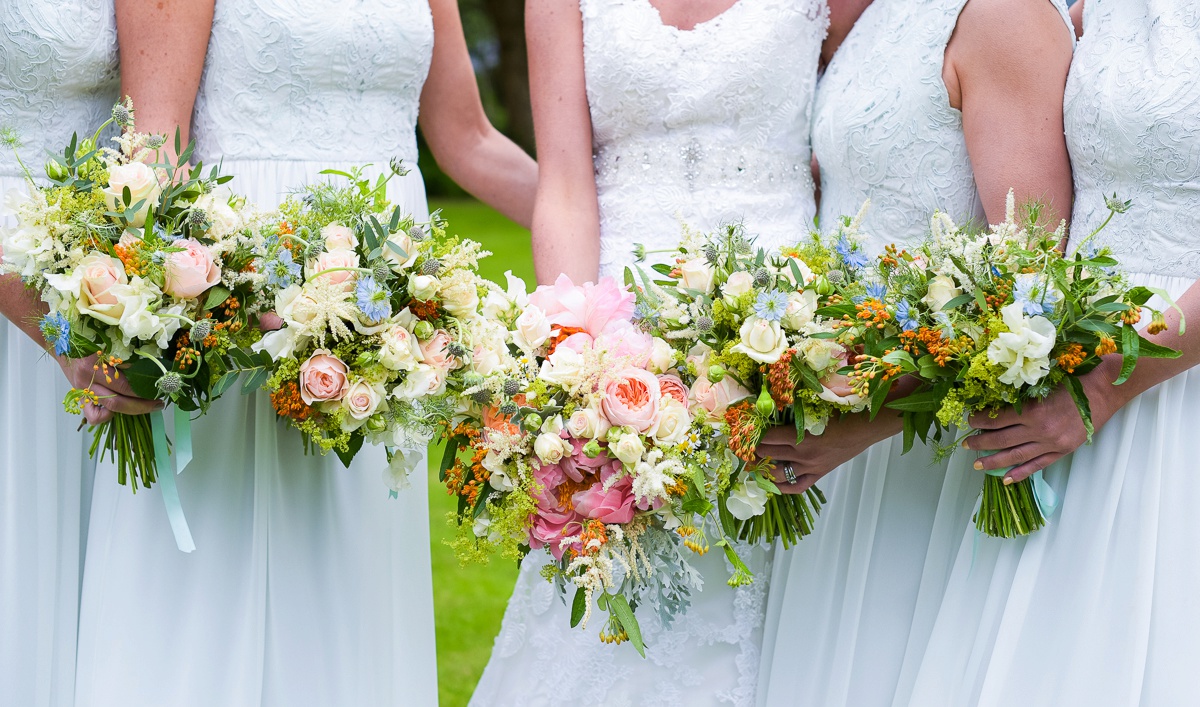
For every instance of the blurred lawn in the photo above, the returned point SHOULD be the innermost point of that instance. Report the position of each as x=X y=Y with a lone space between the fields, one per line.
x=469 y=602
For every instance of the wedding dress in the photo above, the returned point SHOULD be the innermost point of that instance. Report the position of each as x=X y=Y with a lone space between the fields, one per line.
x=846 y=603
x=1099 y=607
x=705 y=127
x=308 y=586
x=58 y=74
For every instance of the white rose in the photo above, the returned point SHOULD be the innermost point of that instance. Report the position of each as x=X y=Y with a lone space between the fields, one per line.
x=399 y=351
x=339 y=237
x=762 y=340
x=941 y=290
x=854 y=400
x=1024 y=350
x=499 y=303
x=423 y=287
x=819 y=354
x=662 y=356
x=746 y=501
x=673 y=422
x=629 y=448
x=486 y=360
x=587 y=423
x=223 y=218
x=550 y=448
x=531 y=329
x=697 y=274
x=460 y=297
x=422 y=382
x=801 y=308
x=24 y=246
x=402 y=241
x=806 y=272
x=738 y=284
x=143 y=184
x=563 y=368
x=360 y=402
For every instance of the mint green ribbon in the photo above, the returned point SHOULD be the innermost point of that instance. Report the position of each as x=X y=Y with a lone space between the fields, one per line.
x=166 y=472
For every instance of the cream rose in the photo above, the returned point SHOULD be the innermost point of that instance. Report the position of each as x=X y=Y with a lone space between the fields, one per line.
x=762 y=340
x=1024 y=350
x=941 y=290
x=400 y=351
x=339 y=237
x=322 y=378
x=360 y=402
x=191 y=271
x=819 y=354
x=564 y=368
x=142 y=183
x=673 y=422
x=738 y=284
x=550 y=448
x=460 y=297
x=586 y=423
x=801 y=308
x=697 y=274
x=402 y=241
x=629 y=448
x=532 y=329
x=423 y=287
x=662 y=356
x=98 y=275
x=425 y=380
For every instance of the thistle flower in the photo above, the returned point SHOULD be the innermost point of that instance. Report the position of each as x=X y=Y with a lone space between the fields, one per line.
x=170 y=383
x=431 y=267
x=711 y=254
x=122 y=113
x=835 y=276
x=762 y=277
x=1118 y=206
x=483 y=396
x=511 y=387
x=200 y=330
x=508 y=408
x=373 y=300
x=198 y=218
x=704 y=323
x=57 y=330
x=639 y=252
x=457 y=350
x=397 y=166
x=417 y=233
x=154 y=142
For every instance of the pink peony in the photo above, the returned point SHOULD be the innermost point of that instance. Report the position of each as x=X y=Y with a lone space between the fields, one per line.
x=631 y=398
x=612 y=506
x=629 y=344
x=672 y=387
x=191 y=271
x=322 y=378
x=591 y=308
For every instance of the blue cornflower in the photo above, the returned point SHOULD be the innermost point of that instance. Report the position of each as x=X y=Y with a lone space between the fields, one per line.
x=876 y=290
x=905 y=316
x=1034 y=297
x=374 y=301
x=57 y=330
x=283 y=270
x=771 y=305
x=851 y=256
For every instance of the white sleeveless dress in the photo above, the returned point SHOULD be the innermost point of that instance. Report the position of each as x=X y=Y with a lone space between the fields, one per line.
x=308 y=586
x=847 y=602
x=709 y=126
x=58 y=74
x=1100 y=607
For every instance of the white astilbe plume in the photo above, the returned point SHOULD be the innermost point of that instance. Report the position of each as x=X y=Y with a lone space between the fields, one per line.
x=324 y=307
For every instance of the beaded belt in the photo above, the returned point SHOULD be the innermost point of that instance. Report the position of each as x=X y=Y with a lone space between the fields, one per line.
x=697 y=164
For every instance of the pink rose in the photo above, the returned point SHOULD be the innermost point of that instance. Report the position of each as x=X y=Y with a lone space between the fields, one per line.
x=98 y=274
x=434 y=352
x=322 y=378
x=612 y=506
x=341 y=262
x=672 y=387
x=631 y=398
x=715 y=399
x=190 y=271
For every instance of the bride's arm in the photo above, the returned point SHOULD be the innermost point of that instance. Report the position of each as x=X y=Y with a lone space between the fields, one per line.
x=566 y=217
x=465 y=144
x=1011 y=96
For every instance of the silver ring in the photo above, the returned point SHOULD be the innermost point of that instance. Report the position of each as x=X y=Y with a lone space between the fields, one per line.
x=789 y=473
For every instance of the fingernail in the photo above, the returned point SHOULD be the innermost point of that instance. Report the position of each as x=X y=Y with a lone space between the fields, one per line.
x=1008 y=480
x=978 y=466
x=965 y=445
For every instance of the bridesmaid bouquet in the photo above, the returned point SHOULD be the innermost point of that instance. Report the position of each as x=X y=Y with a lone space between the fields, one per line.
x=761 y=338
x=582 y=438
x=376 y=312
x=993 y=319
x=148 y=266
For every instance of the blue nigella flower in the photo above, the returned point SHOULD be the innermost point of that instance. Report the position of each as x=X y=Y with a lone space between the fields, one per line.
x=1034 y=297
x=905 y=316
x=57 y=330
x=374 y=301
x=771 y=305
x=876 y=290
x=851 y=256
x=283 y=270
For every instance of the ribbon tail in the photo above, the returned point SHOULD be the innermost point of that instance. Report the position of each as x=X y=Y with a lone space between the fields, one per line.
x=1044 y=493
x=166 y=480
x=183 y=440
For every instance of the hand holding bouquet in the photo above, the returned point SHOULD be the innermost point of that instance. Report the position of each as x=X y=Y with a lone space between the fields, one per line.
x=992 y=319
x=376 y=311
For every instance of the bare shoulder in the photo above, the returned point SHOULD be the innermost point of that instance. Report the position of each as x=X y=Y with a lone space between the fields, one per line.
x=543 y=16
x=1007 y=42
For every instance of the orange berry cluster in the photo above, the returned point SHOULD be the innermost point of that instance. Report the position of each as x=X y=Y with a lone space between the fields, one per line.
x=690 y=536
x=1002 y=295
x=891 y=257
x=744 y=432
x=1131 y=316
x=1106 y=346
x=129 y=257
x=867 y=369
x=560 y=335
x=424 y=310
x=466 y=478
x=592 y=530
x=779 y=379
x=185 y=355
x=107 y=366
x=1070 y=359
x=287 y=402
x=873 y=313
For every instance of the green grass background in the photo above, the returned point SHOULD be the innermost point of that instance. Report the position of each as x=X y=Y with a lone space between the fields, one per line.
x=469 y=602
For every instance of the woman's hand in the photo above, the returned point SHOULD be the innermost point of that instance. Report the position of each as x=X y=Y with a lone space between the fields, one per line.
x=817 y=455
x=115 y=396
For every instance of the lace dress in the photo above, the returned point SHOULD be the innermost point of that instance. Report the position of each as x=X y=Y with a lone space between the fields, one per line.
x=866 y=585
x=706 y=126
x=1099 y=608
x=58 y=73
x=308 y=586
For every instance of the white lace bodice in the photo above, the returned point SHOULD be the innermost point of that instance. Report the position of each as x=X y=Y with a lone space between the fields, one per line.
x=707 y=125
x=1133 y=129
x=314 y=80
x=883 y=126
x=58 y=74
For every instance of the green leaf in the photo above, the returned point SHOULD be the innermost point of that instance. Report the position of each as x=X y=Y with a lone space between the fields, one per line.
x=1111 y=307
x=254 y=381
x=241 y=359
x=578 y=607
x=929 y=401
x=901 y=358
x=957 y=302
x=878 y=396
x=910 y=433
x=448 y=456
x=224 y=383
x=216 y=296
x=1129 y=353
x=620 y=608
x=356 y=443
x=980 y=299
x=1097 y=326
x=798 y=419
x=142 y=375
x=1081 y=403
x=1149 y=349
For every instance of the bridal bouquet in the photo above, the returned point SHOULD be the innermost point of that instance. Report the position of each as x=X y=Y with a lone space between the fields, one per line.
x=376 y=309
x=151 y=268
x=582 y=438
x=760 y=335
x=998 y=318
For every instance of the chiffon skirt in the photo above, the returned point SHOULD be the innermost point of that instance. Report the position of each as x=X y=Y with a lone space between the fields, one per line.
x=45 y=478
x=848 y=601
x=308 y=585
x=1102 y=606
